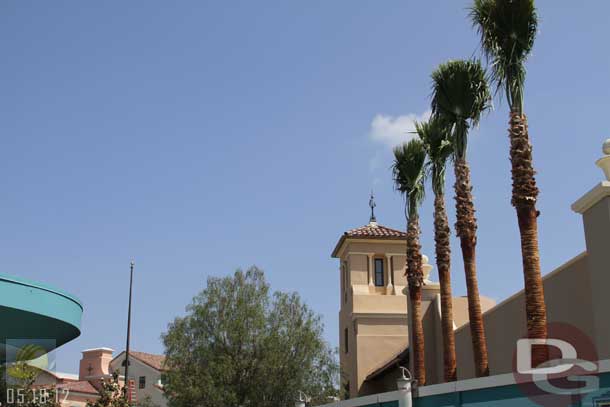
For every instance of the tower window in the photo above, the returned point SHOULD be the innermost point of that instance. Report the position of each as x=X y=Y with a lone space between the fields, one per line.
x=346 y=340
x=379 y=272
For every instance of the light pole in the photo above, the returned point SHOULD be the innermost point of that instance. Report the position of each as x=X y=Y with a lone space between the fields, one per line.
x=128 y=326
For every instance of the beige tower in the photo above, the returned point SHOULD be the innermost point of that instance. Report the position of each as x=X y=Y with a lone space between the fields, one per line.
x=373 y=319
x=373 y=314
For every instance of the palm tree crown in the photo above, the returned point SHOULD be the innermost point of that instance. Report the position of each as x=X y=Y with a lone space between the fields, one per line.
x=460 y=95
x=508 y=30
x=435 y=134
x=408 y=171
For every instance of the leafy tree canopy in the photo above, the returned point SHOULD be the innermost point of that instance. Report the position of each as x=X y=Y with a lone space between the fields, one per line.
x=112 y=394
x=460 y=95
x=241 y=345
x=508 y=31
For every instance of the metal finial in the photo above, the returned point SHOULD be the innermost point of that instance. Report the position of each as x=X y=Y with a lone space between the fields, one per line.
x=372 y=205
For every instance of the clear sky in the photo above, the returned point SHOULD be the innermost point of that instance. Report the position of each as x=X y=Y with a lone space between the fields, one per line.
x=199 y=137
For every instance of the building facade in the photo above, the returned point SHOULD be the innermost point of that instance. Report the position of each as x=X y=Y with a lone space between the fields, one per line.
x=145 y=370
x=373 y=317
x=99 y=364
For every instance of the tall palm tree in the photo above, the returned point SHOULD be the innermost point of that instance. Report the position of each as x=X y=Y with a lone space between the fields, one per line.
x=460 y=95
x=508 y=29
x=435 y=135
x=408 y=171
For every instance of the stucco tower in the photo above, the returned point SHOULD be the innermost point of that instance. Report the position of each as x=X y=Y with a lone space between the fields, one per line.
x=373 y=312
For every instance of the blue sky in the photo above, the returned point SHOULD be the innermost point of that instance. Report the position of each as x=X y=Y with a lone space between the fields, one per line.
x=199 y=137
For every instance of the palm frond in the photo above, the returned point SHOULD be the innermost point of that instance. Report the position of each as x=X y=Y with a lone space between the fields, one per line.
x=408 y=171
x=460 y=95
x=508 y=31
x=436 y=136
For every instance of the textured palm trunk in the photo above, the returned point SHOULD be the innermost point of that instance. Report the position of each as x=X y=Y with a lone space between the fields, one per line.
x=466 y=229
x=525 y=194
x=415 y=281
x=443 y=263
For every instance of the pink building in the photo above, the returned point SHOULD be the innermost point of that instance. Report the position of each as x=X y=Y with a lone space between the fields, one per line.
x=99 y=364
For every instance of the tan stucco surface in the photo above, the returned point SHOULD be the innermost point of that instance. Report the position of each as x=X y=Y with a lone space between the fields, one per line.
x=376 y=318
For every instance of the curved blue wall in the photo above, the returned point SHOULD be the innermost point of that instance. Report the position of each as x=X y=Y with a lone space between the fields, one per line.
x=30 y=310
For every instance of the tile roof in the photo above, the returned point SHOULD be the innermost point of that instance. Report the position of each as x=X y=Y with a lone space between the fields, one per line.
x=82 y=386
x=373 y=230
x=152 y=360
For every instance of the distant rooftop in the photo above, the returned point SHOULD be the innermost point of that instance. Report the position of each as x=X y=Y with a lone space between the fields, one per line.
x=150 y=359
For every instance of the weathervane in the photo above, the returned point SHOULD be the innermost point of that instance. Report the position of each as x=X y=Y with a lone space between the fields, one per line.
x=372 y=205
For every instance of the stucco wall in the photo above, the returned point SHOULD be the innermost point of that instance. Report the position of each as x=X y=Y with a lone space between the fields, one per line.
x=138 y=369
x=505 y=323
x=375 y=317
x=597 y=236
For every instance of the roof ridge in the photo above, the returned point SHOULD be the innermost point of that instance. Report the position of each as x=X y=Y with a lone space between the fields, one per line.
x=375 y=230
x=154 y=360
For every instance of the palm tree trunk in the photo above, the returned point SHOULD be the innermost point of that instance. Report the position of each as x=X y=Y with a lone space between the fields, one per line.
x=466 y=229
x=443 y=263
x=525 y=194
x=415 y=281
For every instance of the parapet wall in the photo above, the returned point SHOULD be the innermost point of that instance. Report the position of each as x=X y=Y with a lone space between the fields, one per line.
x=505 y=323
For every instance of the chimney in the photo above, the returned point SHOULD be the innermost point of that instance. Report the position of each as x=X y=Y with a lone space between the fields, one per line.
x=594 y=207
x=95 y=365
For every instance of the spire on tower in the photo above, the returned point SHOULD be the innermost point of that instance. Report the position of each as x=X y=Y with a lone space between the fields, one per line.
x=372 y=205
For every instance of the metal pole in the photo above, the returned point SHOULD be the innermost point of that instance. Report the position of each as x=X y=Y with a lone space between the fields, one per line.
x=128 y=327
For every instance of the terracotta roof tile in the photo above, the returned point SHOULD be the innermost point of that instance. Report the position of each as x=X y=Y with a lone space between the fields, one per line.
x=152 y=360
x=375 y=231
x=82 y=386
x=370 y=231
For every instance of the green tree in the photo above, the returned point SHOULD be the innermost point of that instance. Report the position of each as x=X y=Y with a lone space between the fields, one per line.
x=147 y=402
x=508 y=30
x=460 y=96
x=408 y=173
x=436 y=137
x=112 y=394
x=241 y=345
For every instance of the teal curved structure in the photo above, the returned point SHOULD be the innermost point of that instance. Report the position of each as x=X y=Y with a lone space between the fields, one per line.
x=31 y=310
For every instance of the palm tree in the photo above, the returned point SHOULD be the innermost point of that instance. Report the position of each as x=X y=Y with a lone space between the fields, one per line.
x=460 y=96
x=508 y=29
x=435 y=135
x=408 y=171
